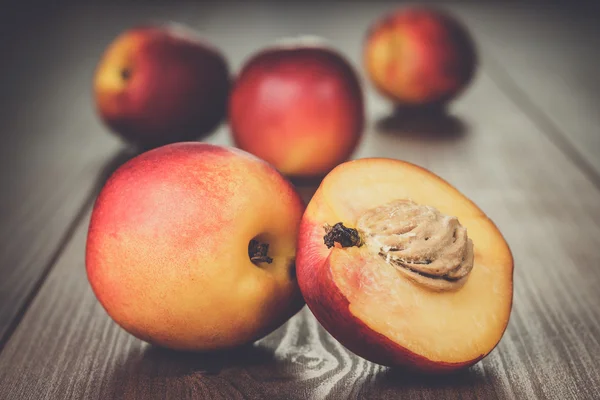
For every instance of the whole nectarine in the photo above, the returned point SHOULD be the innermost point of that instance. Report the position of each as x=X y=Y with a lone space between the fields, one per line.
x=191 y=246
x=419 y=56
x=161 y=84
x=402 y=268
x=299 y=107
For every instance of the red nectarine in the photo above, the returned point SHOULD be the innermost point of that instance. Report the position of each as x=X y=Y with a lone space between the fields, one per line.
x=161 y=84
x=299 y=107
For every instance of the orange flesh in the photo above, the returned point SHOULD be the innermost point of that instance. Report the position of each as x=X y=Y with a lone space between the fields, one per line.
x=451 y=326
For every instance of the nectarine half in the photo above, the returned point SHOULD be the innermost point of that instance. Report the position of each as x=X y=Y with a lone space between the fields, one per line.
x=402 y=268
x=191 y=246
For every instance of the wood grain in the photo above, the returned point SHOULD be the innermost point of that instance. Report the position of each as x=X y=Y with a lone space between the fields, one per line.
x=53 y=150
x=549 y=52
x=487 y=146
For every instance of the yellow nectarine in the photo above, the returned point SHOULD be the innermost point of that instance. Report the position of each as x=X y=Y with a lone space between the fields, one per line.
x=192 y=246
x=419 y=56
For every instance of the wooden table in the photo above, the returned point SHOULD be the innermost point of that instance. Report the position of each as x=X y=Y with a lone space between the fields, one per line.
x=523 y=143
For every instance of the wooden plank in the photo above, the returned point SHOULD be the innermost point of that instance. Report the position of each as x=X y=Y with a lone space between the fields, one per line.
x=66 y=347
x=51 y=154
x=547 y=58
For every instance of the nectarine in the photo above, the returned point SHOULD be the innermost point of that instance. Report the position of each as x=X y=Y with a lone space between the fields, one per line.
x=191 y=246
x=161 y=84
x=419 y=56
x=402 y=268
x=299 y=107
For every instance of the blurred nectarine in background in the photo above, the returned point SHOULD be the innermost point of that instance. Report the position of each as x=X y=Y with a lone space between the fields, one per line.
x=192 y=246
x=419 y=56
x=298 y=106
x=161 y=84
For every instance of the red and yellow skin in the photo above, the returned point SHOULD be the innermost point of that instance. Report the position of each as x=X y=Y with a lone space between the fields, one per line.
x=418 y=56
x=160 y=84
x=167 y=248
x=377 y=313
x=299 y=107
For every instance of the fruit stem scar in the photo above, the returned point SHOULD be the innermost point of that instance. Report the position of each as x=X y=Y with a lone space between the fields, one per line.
x=346 y=237
x=125 y=73
x=258 y=252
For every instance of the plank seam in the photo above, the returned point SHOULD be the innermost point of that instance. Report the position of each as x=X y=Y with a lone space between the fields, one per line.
x=62 y=244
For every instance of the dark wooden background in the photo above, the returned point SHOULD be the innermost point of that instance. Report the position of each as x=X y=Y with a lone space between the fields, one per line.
x=523 y=143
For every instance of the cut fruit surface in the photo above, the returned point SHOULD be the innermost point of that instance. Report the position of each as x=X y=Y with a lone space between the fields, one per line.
x=429 y=284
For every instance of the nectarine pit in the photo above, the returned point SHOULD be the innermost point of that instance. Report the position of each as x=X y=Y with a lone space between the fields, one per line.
x=258 y=252
x=426 y=246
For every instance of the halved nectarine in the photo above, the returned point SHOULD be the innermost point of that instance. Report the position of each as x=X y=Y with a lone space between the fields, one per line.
x=402 y=268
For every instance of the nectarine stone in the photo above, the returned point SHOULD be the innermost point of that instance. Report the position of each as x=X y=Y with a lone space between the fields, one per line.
x=402 y=268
